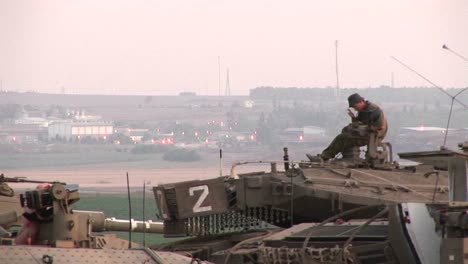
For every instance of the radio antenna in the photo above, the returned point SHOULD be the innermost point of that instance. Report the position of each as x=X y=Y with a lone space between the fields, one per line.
x=442 y=90
x=429 y=81
x=456 y=53
x=129 y=214
x=144 y=209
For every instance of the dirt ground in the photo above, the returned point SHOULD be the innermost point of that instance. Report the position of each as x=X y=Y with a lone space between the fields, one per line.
x=114 y=179
x=111 y=177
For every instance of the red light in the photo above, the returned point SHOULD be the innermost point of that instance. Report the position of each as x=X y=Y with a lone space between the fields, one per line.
x=206 y=140
x=152 y=141
x=301 y=137
x=252 y=137
x=104 y=137
x=163 y=141
x=13 y=138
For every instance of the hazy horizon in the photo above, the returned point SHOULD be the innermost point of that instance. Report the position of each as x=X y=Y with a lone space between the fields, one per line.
x=167 y=47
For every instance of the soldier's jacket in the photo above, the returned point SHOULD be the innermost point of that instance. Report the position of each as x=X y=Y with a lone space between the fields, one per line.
x=372 y=115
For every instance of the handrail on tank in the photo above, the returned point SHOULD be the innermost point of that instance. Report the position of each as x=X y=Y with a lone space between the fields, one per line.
x=233 y=175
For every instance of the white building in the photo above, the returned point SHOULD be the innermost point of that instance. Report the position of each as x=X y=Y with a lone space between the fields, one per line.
x=75 y=129
x=314 y=130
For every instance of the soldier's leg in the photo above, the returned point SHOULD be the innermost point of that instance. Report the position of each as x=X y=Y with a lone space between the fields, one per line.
x=342 y=142
x=336 y=146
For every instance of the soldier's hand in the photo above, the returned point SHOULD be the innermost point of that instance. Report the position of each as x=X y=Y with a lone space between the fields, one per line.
x=351 y=114
x=373 y=129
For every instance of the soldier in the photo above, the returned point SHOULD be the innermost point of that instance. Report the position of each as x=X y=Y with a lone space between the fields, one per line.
x=369 y=114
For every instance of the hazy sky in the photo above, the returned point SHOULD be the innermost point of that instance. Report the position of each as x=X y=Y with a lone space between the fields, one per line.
x=166 y=47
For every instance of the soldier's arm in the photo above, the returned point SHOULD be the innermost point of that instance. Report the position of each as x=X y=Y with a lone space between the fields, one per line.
x=377 y=119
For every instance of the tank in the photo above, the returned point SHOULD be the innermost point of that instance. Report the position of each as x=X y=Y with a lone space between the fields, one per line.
x=52 y=232
x=361 y=208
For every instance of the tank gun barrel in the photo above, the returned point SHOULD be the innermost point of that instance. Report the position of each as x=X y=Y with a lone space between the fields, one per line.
x=101 y=223
x=22 y=179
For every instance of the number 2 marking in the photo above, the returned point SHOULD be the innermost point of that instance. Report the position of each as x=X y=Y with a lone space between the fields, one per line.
x=197 y=208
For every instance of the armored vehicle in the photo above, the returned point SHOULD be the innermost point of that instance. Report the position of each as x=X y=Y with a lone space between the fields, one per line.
x=355 y=209
x=52 y=232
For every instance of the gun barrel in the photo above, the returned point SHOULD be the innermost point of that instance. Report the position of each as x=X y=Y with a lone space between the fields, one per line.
x=137 y=226
x=23 y=179
x=100 y=223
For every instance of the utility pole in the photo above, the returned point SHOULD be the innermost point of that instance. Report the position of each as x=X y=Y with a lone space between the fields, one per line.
x=392 y=85
x=228 y=86
x=219 y=76
x=337 y=92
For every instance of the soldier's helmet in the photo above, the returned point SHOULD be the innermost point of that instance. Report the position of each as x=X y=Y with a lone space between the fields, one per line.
x=354 y=98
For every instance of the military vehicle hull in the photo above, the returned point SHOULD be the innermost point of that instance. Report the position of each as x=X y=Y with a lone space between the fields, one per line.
x=242 y=216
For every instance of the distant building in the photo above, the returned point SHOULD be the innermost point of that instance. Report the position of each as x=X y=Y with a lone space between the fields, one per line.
x=314 y=131
x=248 y=104
x=135 y=134
x=20 y=133
x=187 y=94
x=39 y=121
x=303 y=134
x=75 y=129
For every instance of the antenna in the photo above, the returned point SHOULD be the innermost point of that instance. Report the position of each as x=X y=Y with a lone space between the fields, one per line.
x=337 y=93
x=220 y=162
x=227 y=92
x=442 y=90
x=463 y=58
x=144 y=207
x=450 y=115
x=129 y=215
x=219 y=76
x=456 y=53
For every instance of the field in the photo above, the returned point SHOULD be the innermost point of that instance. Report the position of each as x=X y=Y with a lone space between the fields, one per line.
x=102 y=180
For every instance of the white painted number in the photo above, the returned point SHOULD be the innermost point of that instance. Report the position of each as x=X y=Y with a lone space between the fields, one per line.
x=197 y=208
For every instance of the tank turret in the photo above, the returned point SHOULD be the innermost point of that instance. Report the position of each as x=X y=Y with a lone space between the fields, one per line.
x=227 y=217
x=52 y=221
x=52 y=232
